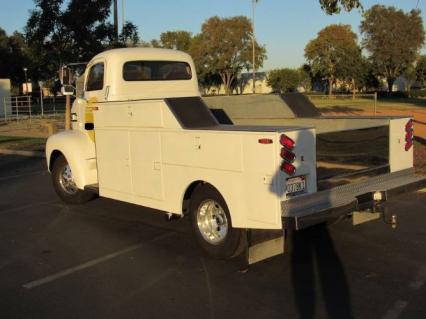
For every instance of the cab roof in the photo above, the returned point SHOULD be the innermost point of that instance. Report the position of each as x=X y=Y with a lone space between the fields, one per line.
x=145 y=54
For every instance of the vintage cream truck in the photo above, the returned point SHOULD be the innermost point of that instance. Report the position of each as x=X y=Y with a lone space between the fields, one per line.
x=142 y=134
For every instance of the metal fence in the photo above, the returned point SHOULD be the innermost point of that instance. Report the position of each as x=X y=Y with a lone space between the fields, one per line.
x=27 y=107
x=16 y=107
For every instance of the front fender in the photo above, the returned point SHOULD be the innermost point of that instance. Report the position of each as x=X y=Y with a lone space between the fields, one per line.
x=79 y=151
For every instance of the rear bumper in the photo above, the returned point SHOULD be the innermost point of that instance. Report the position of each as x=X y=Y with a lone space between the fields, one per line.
x=307 y=210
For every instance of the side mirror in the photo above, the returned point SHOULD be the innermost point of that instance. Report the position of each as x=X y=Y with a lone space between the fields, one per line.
x=65 y=75
x=67 y=90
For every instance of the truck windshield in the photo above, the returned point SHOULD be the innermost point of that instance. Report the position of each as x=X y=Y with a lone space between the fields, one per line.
x=156 y=71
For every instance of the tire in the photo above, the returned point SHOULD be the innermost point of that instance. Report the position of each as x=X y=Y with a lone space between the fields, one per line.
x=211 y=224
x=64 y=185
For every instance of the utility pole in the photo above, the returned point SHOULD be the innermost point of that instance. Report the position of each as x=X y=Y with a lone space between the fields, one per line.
x=123 y=21
x=115 y=22
x=67 y=72
x=253 y=42
x=67 y=112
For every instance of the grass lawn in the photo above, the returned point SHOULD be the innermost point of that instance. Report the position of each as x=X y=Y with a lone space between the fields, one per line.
x=347 y=104
x=22 y=143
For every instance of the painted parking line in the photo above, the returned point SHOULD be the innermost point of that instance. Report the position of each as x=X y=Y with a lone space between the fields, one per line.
x=91 y=263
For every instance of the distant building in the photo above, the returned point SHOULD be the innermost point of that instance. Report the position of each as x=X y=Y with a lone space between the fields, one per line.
x=244 y=85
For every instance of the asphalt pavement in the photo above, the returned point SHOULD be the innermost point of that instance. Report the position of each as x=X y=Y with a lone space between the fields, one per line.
x=108 y=259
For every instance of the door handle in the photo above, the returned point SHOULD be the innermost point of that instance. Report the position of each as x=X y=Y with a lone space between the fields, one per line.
x=197 y=143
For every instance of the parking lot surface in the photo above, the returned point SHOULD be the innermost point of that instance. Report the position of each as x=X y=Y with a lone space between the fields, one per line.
x=108 y=259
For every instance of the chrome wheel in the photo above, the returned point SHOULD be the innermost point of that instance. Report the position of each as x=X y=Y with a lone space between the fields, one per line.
x=66 y=181
x=212 y=222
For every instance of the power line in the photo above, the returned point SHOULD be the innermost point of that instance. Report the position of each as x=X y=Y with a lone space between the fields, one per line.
x=417 y=5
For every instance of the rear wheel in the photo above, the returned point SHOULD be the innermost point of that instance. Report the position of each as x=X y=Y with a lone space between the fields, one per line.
x=211 y=223
x=64 y=185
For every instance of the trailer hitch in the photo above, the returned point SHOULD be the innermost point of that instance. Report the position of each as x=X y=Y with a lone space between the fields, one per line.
x=372 y=206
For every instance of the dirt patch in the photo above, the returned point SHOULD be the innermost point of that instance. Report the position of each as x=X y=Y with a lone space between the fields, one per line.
x=420 y=157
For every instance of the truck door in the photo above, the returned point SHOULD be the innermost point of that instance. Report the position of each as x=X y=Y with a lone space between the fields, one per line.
x=111 y=135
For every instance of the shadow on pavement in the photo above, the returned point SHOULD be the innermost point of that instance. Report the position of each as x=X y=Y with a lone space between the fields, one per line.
x=314 y=259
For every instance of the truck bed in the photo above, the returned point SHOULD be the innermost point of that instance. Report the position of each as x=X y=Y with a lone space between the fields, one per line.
x=348 y=148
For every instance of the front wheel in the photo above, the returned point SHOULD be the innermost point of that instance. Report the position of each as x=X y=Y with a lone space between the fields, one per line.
x=211 y=224
x=64 y=184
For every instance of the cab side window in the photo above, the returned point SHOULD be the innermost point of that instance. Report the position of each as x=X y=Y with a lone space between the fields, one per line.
x=95 y=80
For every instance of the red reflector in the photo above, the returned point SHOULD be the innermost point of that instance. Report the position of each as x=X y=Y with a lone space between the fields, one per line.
x=288 y=168
x=287 y=155
x=265 y=141
x=409 y=129
x=287 y=142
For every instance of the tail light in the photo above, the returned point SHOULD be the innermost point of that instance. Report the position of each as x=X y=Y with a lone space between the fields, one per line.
x=265 y=141
x=287 y=142
x=290 y=169
x=287 y=155
x=409 y=125
x=409 y=134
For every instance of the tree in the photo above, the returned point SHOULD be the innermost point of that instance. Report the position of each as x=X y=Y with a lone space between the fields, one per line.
x=355 y=70
x=129 y=36
x=370 y=80
x=224 y=47
x=57 y=33
x=410 y=77
x=176 y=40
x=421 y=70
x=284 y=80
x=13 y=57
x=393 y=39
x=331 y=54
x=305 y=77
x=154 y=44
x=335 y=6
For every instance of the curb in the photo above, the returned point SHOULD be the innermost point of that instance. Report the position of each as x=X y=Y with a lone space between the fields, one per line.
x=36 y=154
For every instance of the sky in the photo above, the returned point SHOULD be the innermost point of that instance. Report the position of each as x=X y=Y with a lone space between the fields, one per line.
x=283 y=26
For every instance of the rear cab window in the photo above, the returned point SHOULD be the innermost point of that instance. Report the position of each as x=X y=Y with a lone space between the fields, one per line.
x=156 y=71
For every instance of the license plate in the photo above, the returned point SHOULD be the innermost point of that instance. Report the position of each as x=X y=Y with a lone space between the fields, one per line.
x=296 y=185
